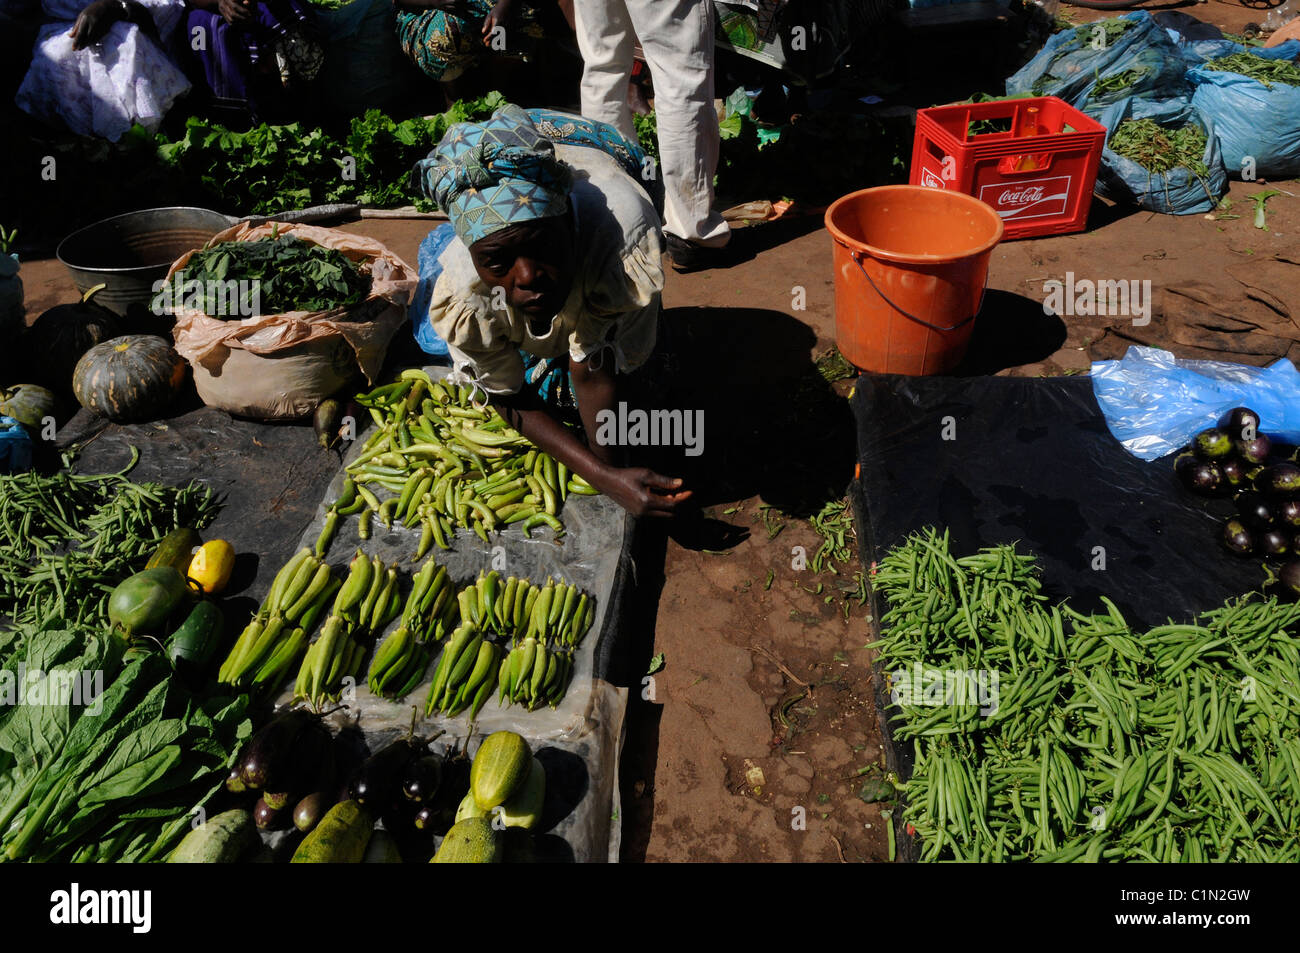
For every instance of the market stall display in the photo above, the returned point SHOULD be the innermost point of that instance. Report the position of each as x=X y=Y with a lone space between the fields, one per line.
x=1079 y=737
x=253 y=359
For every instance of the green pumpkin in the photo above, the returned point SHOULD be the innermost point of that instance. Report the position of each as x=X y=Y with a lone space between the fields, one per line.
x=28 y=404
x=129 y=378
x=52 y=346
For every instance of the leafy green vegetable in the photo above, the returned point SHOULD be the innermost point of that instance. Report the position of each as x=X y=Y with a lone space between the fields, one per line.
x=271 y=169
x=1160 y=150
x=656 y=664
x=122 y=782
x=291 y=275
x=647 y=133
x=1258 y=68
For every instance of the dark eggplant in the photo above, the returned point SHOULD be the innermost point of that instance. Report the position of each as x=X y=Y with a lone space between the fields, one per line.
x=271 y=745
x=234 y=783
x=1241 y=423
x=1237 y=538
x=1289 y=577
x=452 y=790
x=518 y=846
x=377 y=783
x=421 y=779
x=310 y=766
x=1234 y=473
x=1254 y=452
x=425 y=818
x=267 y=818
x=1212 y=444
x=1204 y=479
x=1288 y=513
x=399 y=817
x=1281 y=481
x=1273 y=543
x=308 y=812
x=326 y=421
x=1256 y=512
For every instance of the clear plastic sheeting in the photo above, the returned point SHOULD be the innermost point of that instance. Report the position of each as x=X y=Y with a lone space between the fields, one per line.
x=1155 y=403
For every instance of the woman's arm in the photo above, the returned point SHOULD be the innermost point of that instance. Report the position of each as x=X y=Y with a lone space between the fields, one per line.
x=637 y=489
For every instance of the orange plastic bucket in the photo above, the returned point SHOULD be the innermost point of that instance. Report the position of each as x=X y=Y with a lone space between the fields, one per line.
x=910 y=269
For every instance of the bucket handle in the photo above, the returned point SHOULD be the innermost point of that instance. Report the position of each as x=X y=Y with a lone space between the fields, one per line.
x=857 y=258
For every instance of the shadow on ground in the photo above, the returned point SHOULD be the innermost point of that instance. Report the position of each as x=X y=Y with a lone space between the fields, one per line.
x=773 y=429
x=1011 y=331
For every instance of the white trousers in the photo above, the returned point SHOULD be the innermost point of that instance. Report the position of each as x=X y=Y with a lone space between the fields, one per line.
x=677 y=39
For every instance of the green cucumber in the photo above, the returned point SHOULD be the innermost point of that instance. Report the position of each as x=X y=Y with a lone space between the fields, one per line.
x=220 y=840
x=191 y=647
x=176 y=549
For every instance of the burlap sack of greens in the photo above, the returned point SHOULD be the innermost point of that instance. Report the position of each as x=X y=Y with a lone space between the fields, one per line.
x=281 y=365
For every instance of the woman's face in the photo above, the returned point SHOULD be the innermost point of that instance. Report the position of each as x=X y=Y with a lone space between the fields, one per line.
x=533 y=261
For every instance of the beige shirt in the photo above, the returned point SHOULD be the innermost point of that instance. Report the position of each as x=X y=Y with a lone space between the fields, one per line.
x=614 y=302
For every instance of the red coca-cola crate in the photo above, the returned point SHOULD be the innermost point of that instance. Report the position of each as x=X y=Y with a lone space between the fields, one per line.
x=1037 y=168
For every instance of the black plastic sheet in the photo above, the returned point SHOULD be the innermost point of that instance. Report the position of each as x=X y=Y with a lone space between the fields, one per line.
x=1030 y=460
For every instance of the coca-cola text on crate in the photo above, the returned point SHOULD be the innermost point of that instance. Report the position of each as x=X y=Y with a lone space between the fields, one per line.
x=1038 y=175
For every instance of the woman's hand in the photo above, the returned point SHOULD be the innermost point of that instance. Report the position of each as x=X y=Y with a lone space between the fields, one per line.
x=235 y=11
x=94 y=22
x=498 y=16
x=640 y=491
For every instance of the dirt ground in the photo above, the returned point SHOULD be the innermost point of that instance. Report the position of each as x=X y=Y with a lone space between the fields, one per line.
x=753 y=740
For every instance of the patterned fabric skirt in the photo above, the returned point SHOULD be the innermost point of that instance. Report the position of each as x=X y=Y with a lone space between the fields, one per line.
x=242 y=66
x=444 y=45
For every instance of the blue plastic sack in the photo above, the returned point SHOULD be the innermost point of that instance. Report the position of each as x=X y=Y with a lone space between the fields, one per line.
x=1155 y=403
x=1250 y=119
x=15 y=447
x=1177 y=192
x=1068 y=67
x=429 y=268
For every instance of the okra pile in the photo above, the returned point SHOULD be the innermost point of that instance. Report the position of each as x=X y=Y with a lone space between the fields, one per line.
x=401 y=660
x=1098 y=742
x=546 y=624
x=447 y=463
x=366 y=602
x=276 y=637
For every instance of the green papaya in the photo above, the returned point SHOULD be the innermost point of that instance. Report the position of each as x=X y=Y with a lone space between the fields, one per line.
x=142 y=603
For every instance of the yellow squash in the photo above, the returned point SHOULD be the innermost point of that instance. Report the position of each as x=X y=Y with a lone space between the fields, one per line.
x=211 y=566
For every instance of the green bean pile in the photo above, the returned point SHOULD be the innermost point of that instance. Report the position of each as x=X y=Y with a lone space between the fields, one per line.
x=1258 y=68
x=1178 y=744
x=69 y=539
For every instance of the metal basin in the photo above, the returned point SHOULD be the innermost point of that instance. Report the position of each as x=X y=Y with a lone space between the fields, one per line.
x=132 y=251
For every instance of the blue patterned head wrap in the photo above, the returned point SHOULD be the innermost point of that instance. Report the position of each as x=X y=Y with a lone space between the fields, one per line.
x=491 y=175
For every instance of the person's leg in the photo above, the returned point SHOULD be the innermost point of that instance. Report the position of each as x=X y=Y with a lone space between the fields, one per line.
x=605 y=40
x=677 y=39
